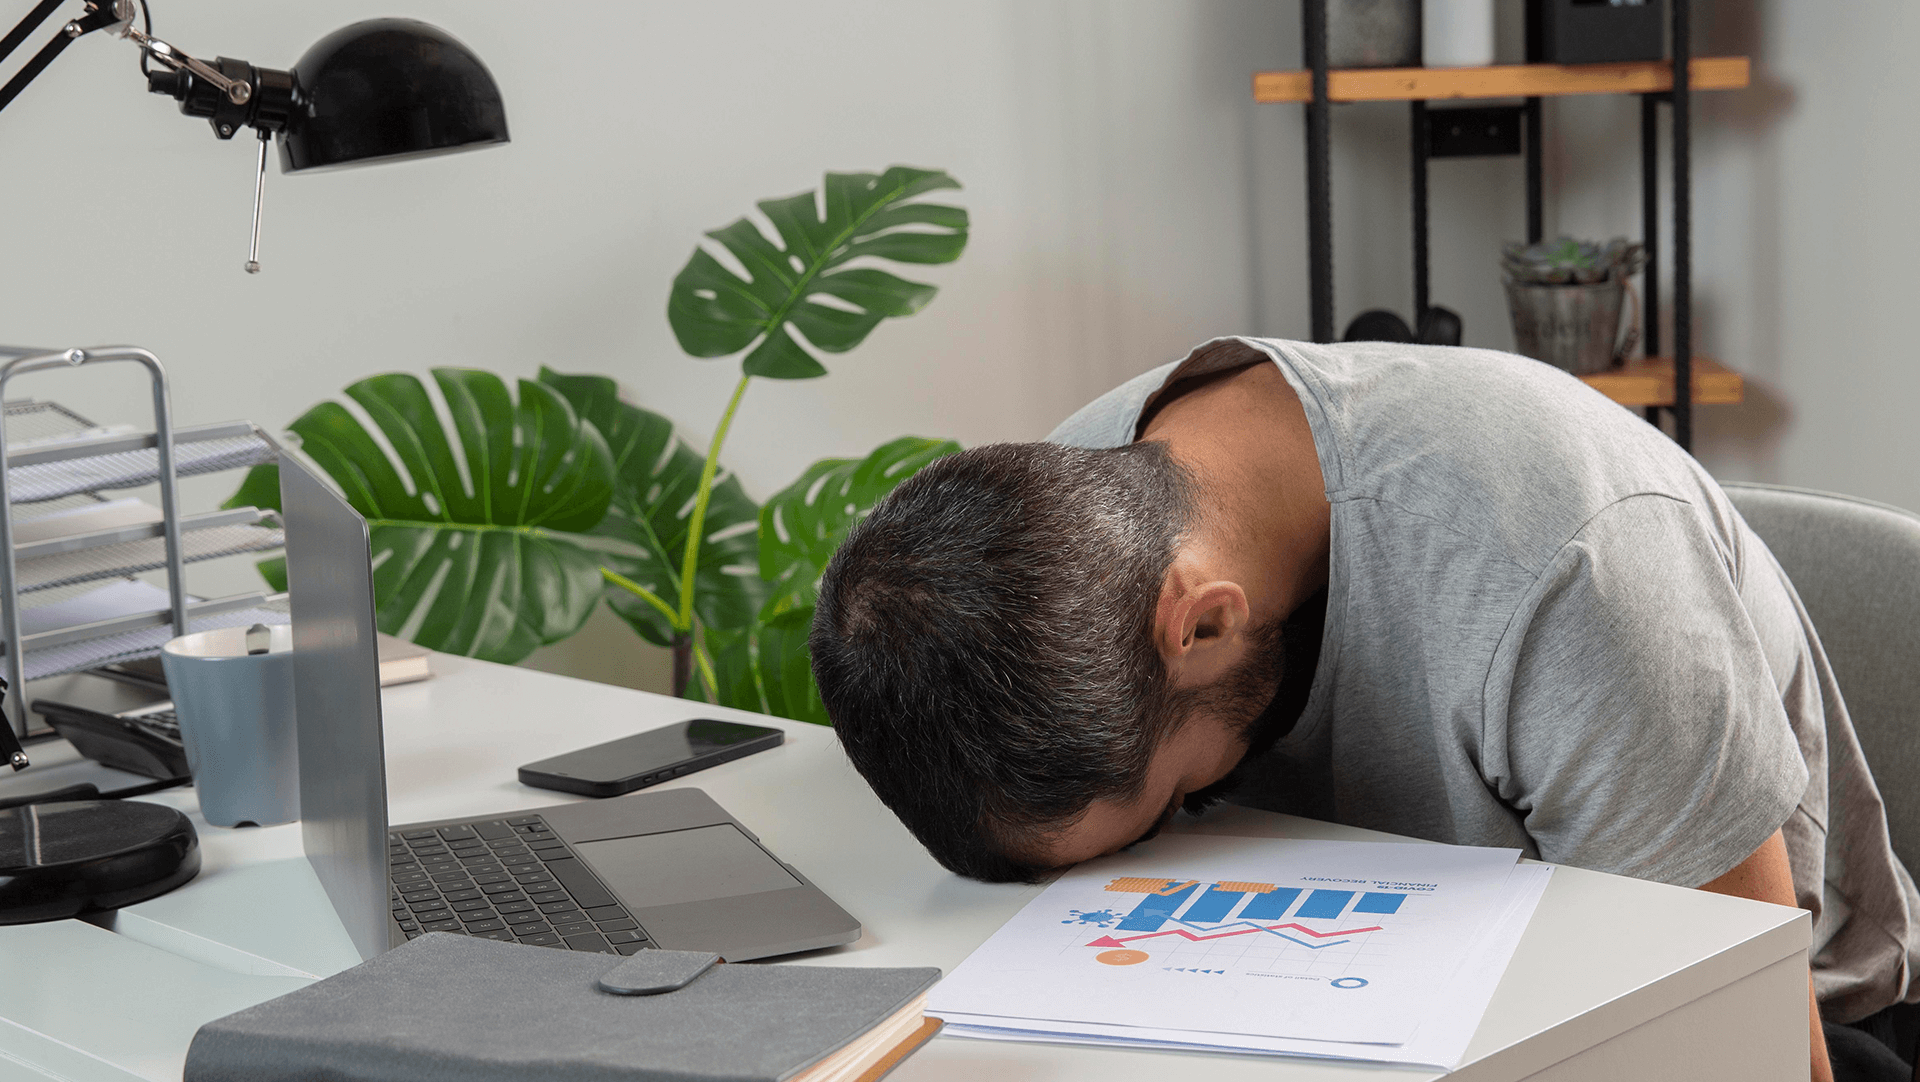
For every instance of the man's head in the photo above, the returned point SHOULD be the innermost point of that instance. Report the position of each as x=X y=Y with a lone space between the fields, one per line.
x=993 y=644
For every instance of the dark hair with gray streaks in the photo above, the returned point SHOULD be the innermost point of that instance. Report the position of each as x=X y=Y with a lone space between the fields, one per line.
x=984 y=643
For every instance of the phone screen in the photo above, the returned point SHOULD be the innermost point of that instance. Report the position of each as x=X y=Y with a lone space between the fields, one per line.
x=646 y=752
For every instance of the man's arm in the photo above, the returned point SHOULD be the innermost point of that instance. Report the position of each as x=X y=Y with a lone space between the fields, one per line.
x=1766 y=877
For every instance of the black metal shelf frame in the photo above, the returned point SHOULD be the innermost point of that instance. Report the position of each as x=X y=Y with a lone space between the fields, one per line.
x=1320 y=210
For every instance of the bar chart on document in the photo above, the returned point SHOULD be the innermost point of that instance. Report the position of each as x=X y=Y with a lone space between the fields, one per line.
x=1260 y=929
x=1329 y=941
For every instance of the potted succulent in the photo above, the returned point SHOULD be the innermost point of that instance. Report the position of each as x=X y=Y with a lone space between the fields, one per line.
x=1565 y=297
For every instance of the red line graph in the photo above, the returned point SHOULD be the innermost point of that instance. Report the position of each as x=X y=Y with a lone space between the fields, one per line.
x=1109 y=941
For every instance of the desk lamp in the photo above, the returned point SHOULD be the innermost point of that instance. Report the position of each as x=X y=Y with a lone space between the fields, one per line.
x=379 y=90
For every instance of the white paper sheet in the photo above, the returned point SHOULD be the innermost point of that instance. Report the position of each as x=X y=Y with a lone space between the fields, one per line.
x=1217 y=940
x=1439 y=1042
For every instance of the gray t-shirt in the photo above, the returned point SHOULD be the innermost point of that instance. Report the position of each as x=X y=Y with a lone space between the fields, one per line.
x=1548 y=628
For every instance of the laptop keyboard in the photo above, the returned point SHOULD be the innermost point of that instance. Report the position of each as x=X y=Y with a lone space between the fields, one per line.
x=510 y=879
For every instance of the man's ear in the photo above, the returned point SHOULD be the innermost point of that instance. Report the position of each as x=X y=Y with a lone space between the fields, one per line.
x=1199 y=628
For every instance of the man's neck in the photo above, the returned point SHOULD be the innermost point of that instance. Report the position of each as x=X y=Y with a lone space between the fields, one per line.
x=1260 y=499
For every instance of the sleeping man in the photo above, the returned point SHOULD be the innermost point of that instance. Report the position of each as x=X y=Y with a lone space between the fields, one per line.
x=1446 y=593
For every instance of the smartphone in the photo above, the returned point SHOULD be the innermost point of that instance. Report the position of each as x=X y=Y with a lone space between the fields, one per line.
x=635 y=762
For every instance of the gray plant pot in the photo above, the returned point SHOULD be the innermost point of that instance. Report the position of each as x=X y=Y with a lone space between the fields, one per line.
x=1373 y=33
x=1571 y=327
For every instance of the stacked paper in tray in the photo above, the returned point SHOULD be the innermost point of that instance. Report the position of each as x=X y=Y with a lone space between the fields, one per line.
x=1370 y=951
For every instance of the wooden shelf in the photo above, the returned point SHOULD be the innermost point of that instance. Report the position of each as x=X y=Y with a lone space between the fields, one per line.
x=1650 y=383
x=1505 y=81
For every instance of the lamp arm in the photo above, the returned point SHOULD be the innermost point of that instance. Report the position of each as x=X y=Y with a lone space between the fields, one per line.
x=100 y=15
x=237 y=91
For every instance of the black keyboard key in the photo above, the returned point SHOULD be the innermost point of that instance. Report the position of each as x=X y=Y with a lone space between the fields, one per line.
x=462 y=895
x=493 y=924
x=450 y=873
x=501 y=852
x=432 y=859
x=523 y=917
x=544 y=846
x=542 y=836
x=576 y=928
x=486 y=869
x=591 y=941
x=455 y=832
x=419 y=834
x=472 y=904
x=508 y=887
x=527 y=823
x=580 y=883
x=475 y=916
x=509 y=898
x=630 y=948
x=551 y=896
x=532 y=927
x=418 y=895
x=604 y=912
x=427 y=905
x=491 y=877
x=557 y=907
x=466 y=843
x=479 y=856
x=440 y=926
x=545 y=939
x=616 y=936
x=415 y=934
x=409 y=877
x=409 y=925
x=531 y=878
x=493 y=828
x=513 y=907
x=620 y=925
x=501 y=935
x=518 y=859
x=425 y=849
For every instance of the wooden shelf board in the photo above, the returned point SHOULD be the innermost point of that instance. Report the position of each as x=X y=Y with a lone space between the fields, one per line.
x=1650 y=383
x=1504 y=81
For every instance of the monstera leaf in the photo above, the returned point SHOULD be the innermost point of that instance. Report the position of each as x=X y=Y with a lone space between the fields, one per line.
x=767 y=668
x=803 y=283
x=471 y=530
x=655 y=479
x=802 y=525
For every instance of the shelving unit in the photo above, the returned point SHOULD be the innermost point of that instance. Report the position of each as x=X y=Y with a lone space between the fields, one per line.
x=55 y=461
x=1676 y=380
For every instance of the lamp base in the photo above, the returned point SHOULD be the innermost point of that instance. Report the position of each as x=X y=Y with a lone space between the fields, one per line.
x=59 y=860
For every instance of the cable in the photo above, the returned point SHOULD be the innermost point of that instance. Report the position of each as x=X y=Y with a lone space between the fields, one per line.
x=146 y=16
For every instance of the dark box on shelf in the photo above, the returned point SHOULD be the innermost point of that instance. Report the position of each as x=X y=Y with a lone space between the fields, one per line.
x=1595 y=31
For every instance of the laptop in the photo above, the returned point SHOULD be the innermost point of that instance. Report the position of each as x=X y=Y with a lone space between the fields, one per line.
x=667 y=869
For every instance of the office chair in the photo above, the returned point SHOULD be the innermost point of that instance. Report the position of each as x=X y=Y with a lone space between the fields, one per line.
x=1856 y=565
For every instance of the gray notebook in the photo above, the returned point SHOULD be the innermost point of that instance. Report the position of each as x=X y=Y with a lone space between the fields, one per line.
x=447 y=1007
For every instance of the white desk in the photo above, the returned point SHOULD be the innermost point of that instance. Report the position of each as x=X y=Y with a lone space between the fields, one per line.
x=1616 y=978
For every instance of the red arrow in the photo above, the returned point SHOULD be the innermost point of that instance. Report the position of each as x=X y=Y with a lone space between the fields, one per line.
x=1109 y=941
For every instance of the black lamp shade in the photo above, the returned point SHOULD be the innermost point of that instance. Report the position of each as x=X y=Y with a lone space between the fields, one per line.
x=387 y=89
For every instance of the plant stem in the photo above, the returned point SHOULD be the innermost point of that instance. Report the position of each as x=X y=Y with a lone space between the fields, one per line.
x=682 y=662
x=696 y=524
x=644 y=594
x=706 y=672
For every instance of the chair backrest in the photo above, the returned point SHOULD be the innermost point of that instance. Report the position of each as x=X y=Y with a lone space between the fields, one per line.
x=1856 y=566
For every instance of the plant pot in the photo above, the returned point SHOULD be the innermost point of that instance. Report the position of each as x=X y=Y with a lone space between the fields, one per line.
x=1373 y=33
x=1571 y=327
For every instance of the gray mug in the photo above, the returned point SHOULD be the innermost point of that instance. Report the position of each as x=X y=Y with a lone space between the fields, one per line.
x=236 y=720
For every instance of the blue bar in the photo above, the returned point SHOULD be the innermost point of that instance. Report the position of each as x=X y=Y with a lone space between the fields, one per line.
x=1325 y=903
x=1214 y=905
x=1154 y=910
x=1379 y=903
x=1270 y=906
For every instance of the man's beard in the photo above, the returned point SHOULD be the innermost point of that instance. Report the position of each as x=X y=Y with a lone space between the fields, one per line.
x=1248 y=698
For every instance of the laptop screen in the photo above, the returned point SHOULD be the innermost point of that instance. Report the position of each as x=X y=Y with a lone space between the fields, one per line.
x=336 y=692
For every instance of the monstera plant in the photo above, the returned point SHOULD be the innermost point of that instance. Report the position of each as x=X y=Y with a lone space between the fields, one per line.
x=498 y=526
x=816 y=277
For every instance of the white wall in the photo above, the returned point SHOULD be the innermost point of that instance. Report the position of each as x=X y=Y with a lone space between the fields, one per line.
x=1128 y=200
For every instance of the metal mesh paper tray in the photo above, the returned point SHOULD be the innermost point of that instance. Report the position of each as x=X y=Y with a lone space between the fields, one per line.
x=116 y=462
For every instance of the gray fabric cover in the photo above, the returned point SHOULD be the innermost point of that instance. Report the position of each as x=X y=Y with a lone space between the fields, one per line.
x=450 y=1008
x=1856 y=566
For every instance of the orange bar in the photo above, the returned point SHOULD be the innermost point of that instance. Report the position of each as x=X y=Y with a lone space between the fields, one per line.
x=1504 y=81
x=1650 y=383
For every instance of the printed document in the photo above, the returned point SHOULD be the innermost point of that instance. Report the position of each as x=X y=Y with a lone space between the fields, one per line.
x=1386 y=952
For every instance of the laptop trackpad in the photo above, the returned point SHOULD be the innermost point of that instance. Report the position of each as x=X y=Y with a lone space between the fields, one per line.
x=694 y=865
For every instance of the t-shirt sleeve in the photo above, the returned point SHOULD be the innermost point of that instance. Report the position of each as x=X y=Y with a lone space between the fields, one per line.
x=1631 y=717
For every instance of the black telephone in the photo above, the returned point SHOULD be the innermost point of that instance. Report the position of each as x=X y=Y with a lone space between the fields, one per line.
x=143 y=743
